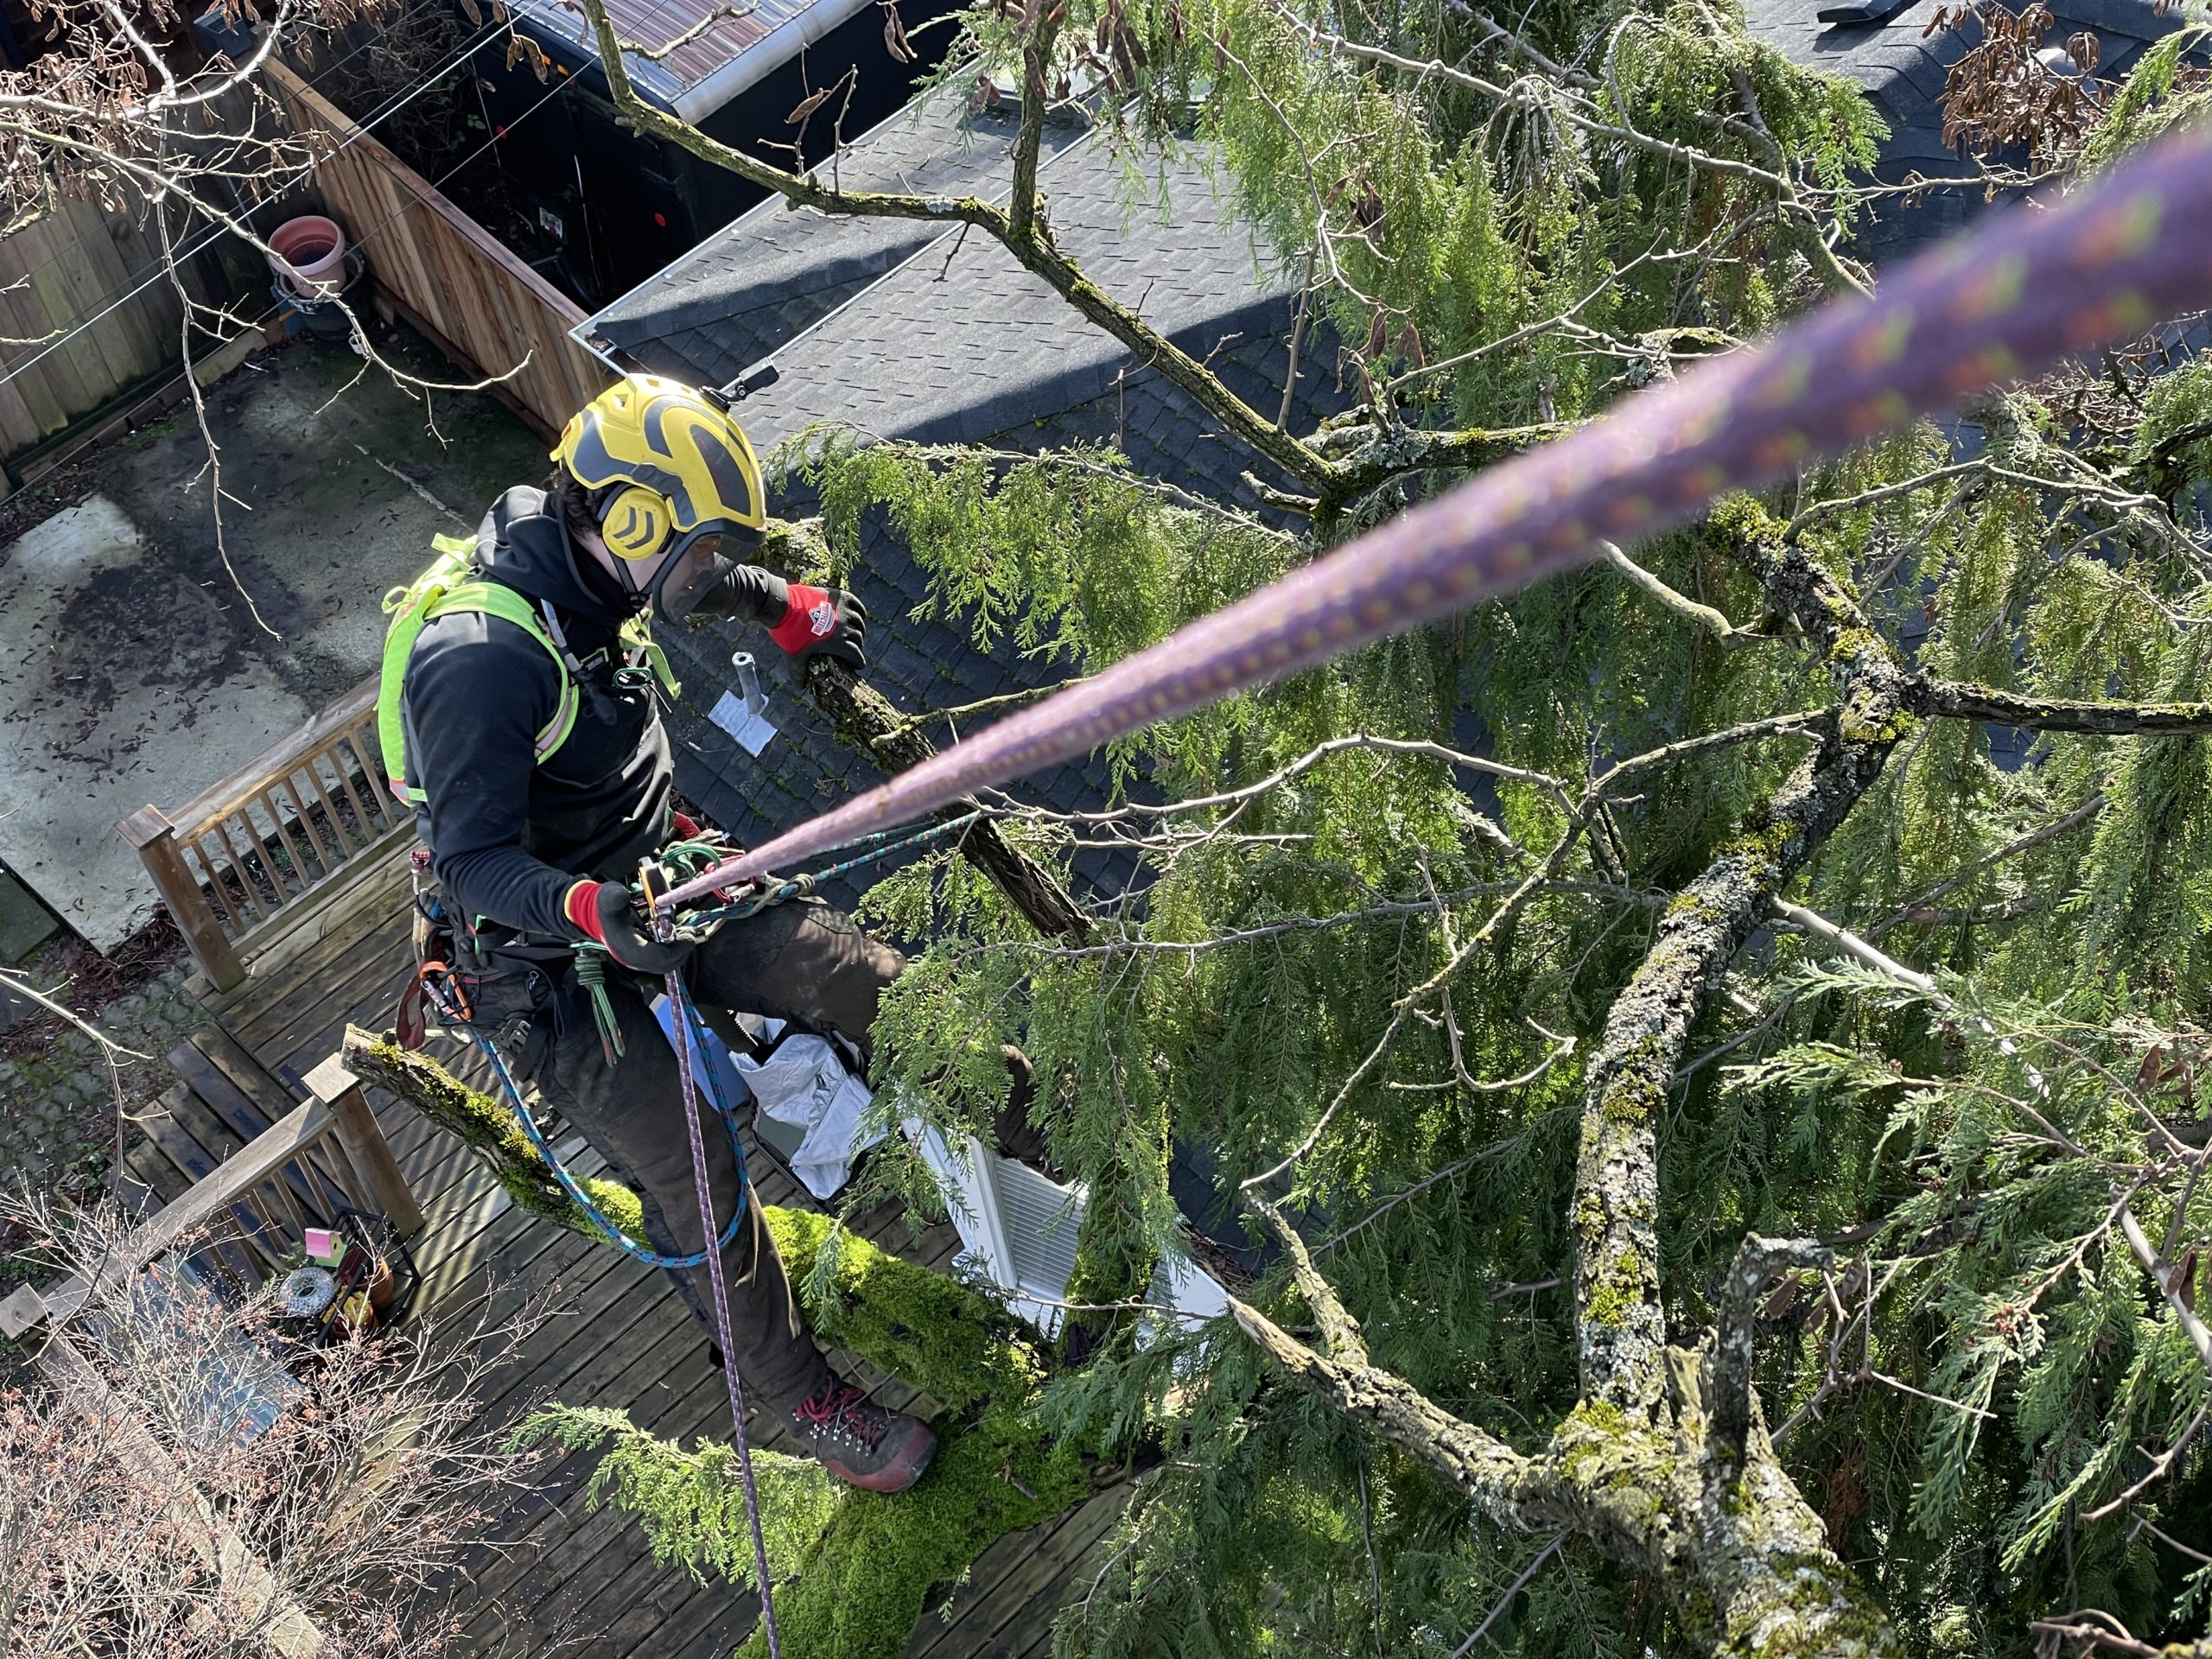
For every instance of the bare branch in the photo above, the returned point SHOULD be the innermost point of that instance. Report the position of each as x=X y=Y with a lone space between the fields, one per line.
x=1728 y=1381
x=1036 y=251
x=1909 y=910
x=1725 y=634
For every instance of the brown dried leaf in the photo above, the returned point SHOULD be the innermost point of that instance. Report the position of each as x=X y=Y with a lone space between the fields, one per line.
x=895 y=34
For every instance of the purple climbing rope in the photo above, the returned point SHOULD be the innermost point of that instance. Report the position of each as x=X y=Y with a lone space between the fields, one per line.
x=679 y=1008
x=2034 y=285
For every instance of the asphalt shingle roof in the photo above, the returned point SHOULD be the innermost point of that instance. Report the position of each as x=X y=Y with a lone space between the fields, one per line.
x=775 y=271
x=1903 y=71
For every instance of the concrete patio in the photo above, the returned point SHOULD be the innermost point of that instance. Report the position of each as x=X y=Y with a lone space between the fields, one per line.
x=131 y=667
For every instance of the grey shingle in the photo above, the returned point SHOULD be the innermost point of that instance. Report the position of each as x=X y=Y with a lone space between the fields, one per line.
x=1904 y=75
x=775 y=270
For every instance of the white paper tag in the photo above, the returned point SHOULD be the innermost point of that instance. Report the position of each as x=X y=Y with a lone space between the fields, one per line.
x=750 y=730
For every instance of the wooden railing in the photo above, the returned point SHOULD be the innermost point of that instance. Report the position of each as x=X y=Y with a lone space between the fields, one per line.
x=450 y=278
x=326 y=1153
x=235 y=864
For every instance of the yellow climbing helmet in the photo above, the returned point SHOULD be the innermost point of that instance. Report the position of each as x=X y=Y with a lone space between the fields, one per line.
x=666 y=466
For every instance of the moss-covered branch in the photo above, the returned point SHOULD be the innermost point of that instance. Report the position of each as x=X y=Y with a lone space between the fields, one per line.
x=1742 y=1560
x=1377 y=454
x=867 y=1583
x=487 y=1128
x=1961 y=701
x=1622 y=1323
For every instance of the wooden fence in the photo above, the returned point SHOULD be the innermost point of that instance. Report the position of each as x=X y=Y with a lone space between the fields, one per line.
x=56 y=274
x=478 y=303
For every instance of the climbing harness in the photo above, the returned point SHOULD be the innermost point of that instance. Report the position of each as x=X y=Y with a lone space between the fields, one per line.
x=451 y=584
x=448 y=992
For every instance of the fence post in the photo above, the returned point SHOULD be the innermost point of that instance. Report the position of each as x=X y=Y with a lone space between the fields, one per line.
x=365 y=1147
x=155 y=839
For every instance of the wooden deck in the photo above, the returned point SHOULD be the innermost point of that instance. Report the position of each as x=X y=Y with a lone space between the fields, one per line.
x=549 y=1577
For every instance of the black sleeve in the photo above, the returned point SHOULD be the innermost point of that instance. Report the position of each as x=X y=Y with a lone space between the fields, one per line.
x=747 y=593
x=479 y=690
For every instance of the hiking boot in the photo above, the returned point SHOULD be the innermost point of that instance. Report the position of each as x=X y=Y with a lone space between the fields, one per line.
x=864 y=1445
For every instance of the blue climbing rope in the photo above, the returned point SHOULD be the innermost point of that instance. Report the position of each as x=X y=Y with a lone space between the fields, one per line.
x=693 y=1027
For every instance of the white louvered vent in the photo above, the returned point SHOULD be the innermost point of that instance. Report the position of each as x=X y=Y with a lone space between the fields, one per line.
x=1041 y=1220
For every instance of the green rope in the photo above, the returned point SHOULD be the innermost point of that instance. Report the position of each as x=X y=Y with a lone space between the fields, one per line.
x=591 y=973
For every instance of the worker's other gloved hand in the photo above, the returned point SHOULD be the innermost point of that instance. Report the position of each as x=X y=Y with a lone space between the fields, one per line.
x=822 y=622
x=606 y=912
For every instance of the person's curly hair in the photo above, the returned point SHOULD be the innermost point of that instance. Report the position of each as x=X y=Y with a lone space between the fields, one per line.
x=577 y=517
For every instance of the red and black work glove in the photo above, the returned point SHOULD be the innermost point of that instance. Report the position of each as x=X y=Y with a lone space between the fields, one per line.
x=606 y=912
x=822 y=622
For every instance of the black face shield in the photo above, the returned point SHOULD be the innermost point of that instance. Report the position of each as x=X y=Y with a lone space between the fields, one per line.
x=692 y=579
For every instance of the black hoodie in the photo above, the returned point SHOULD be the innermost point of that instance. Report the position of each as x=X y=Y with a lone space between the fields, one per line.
x=509 y=837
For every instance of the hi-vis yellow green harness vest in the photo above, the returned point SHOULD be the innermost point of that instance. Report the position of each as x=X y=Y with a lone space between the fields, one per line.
x=450 y=584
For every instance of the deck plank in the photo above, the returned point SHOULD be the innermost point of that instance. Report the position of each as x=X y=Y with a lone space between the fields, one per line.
x=526 y=1568
x=228 y=1055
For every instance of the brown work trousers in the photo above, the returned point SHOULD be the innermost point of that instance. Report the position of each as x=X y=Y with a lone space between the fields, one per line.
x=802 y=962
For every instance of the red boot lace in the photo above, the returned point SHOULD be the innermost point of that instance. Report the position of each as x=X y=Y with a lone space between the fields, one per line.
x=844 y=1411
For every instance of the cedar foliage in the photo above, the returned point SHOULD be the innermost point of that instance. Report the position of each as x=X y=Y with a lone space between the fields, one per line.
x=1990 y=1402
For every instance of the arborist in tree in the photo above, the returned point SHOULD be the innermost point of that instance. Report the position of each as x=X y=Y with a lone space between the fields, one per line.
x=526 y=710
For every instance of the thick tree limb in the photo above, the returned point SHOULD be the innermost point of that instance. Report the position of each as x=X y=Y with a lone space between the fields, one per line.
x=1743 y=1560
x=1620 y=1318
x=1340 y=1336
x=487 y=1128
x=1961 y=701
x=1501 y=1484
x=1380 y=455
x=1037 y=34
